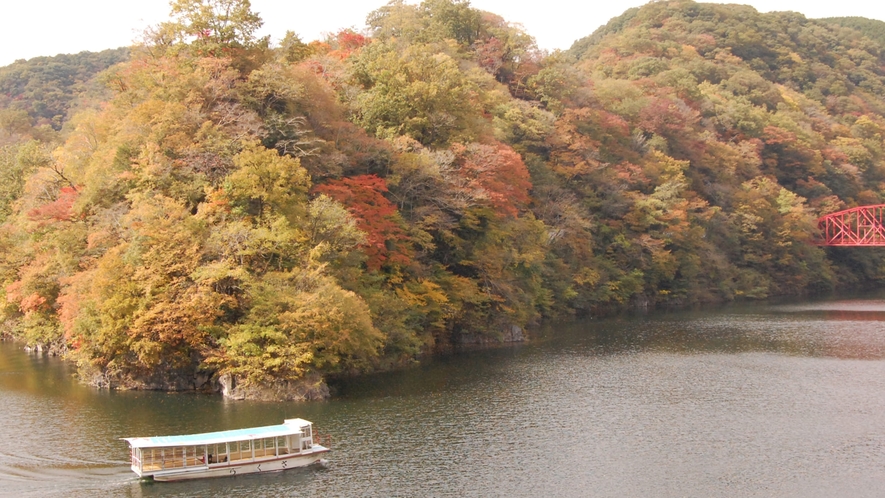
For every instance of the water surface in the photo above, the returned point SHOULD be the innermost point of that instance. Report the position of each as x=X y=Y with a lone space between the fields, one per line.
x=764 y=400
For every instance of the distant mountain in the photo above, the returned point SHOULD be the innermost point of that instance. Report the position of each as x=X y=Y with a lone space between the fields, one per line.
x=46 y=87
x=871 y=28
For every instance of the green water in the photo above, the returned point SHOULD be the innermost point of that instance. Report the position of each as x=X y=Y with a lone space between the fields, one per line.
x=765 y=400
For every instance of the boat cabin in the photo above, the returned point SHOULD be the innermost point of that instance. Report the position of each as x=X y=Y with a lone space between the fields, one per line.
x=177 y=455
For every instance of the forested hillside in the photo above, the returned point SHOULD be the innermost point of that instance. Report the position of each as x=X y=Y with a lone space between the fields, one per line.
x=871 y=28
x=271 y=215
x=41 y=92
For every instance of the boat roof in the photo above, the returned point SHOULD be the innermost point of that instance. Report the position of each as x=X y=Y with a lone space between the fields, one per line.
x=289 y=427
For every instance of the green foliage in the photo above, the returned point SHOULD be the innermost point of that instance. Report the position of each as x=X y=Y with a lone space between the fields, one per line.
x=217 y=22
x=293 y=49
x=48 y=88
x=419 y=92
x=211 y=27
x=298 y=321
x=17 y=163
x=871 y=28
x=429 y=21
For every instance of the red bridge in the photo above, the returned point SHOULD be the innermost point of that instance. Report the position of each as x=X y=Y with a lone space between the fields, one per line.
x=860 y=226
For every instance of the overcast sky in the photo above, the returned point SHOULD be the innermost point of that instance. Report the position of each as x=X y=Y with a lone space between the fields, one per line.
x=31 y=28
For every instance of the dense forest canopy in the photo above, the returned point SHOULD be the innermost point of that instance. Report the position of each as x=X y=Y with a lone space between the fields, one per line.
x=43 y=90
x=275 y=214
x=871 y=28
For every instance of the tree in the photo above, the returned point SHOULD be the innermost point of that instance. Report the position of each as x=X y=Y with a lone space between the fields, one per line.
x=419 y=92
x=386 y=243
x=299 y=323
x=213 y=28
x=217 y=23
x=495 y=173
x=775 y=227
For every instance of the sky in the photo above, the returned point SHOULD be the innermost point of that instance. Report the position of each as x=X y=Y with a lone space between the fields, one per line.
x=31 y=28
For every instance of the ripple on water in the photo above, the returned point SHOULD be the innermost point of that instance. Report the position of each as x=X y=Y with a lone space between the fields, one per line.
x=738 y=402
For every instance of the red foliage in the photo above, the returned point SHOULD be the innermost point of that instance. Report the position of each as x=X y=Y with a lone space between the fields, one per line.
x=668 y=117
x=57 y=210
x=834 y=155
x=348 y=42
x=499 y=171
x=375 y=215
x=629 y=173
x=776 y=136
x=490 y=54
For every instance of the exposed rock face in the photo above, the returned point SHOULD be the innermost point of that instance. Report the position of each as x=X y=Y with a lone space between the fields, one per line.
x=166 y=382
x=312 y=388
x=162 y=380
x=40 y=348
x=514 y=334
x=642 y=302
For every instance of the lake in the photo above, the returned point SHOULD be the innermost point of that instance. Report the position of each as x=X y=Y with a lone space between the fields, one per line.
x=745 y=400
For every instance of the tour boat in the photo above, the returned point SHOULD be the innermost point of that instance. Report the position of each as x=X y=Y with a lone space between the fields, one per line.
x=224 y=453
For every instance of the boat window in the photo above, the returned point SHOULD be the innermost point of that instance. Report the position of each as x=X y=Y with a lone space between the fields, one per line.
x=173 y=457
x=194 y=455
x=218 y=453
x=281 y=446
x=267 y=447
x=150 y=460
x=245 y=450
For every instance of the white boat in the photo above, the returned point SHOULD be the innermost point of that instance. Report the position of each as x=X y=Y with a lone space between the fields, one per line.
x=225 y=453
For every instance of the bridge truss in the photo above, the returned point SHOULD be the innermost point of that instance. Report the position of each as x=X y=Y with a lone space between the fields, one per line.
x=860 y=226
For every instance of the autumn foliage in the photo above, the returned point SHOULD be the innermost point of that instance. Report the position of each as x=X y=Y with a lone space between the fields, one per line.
x=498 y=173
x=386 y=242
x=221 y=207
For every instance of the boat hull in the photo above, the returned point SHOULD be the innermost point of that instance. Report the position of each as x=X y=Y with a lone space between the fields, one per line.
x=259 y=466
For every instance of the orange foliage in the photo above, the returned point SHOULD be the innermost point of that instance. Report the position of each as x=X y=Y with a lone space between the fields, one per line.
x=13 y=292
x=69 y=308
x=583 y=136
x=32 y=302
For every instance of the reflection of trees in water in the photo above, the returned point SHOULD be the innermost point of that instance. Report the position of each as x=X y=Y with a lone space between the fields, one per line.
x=848 y=334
